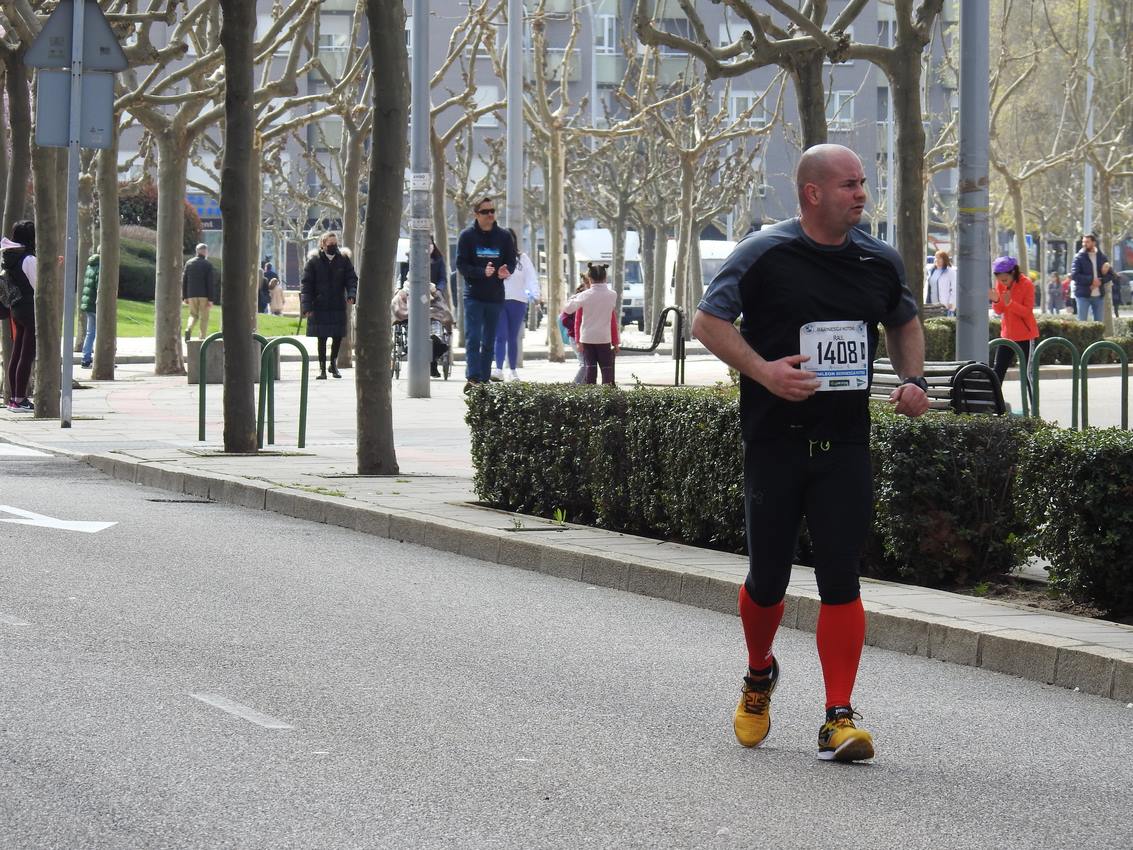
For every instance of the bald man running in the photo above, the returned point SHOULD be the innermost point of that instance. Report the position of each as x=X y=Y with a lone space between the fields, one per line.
x=812 y=292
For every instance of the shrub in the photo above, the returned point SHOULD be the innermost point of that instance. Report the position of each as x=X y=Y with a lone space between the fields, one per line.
x=137 y=275
x=137 y=205
x=668 y=463
x=946 y=507
x=1082 y=483
x=137 y=233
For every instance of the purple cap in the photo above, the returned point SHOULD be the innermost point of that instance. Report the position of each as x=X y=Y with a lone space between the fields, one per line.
x=1004 y=265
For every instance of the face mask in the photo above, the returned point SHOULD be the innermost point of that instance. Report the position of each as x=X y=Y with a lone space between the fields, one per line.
x=331 y=249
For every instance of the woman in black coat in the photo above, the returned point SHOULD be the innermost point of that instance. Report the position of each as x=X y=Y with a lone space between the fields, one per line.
x=329 y=285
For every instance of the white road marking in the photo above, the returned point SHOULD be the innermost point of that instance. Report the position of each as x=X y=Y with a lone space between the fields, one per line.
x=31 y=518
x=11 y=621
x=240 y=710
x=8 y=450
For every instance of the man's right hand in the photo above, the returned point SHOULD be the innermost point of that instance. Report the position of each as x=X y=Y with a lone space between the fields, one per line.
x=783 y=378
x=489 y=270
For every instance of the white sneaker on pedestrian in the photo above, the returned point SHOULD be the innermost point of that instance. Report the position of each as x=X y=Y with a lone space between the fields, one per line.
x=513 y=375
x=497 y=374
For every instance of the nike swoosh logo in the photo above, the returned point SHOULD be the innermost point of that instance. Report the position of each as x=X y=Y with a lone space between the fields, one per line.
x=864 y=259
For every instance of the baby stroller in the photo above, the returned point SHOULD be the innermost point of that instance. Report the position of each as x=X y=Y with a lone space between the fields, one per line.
x=401 y=347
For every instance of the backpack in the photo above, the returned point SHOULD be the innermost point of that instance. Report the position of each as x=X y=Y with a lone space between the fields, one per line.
x=10 y=294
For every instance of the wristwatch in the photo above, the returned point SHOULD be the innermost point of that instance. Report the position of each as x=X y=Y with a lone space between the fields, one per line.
x=917 y=381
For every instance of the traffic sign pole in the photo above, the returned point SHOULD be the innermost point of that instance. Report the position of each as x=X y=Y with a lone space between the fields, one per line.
x=71 y=260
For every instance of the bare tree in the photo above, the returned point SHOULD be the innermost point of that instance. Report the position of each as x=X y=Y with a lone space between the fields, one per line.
x=376 y=454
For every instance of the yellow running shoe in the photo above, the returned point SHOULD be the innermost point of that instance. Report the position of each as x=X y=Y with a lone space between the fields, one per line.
x=753 y=715
x=840 y=740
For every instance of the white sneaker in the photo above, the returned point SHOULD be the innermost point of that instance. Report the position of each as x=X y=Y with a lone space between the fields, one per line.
x=513 y=375
x=497 y=374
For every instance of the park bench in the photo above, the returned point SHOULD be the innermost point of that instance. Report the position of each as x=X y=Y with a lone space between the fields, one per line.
x=959 y=385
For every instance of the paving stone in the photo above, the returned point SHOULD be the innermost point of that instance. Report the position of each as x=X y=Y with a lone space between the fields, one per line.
x=1088 y=668
x=604 y=571
x=160 y=477
x=956 y=642
x=293 y=503
x=197 y=484
x=370 y=520
x=897 y=630
x=654 y=581
x=233 y=491
x=482 y=544
x=721 y=594
x=562 y=562
x=806 y=607
x=408 y=528
x=1123 y=681
x=521 y=553
x=1024 y=654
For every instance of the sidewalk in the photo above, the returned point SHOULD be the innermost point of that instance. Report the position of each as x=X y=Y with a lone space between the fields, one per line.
x=142 y=429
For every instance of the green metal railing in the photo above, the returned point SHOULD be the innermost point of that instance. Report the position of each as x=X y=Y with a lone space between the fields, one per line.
x=678 y=341
x=266 y=407
x=1087 y=355
x=201 y=376
x=1075 y=362
x=1014 y=346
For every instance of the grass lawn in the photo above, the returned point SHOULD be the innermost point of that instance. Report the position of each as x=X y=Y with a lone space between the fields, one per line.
x=135 y=318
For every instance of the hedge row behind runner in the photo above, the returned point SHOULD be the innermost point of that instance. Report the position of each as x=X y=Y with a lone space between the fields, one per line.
x=958 y=499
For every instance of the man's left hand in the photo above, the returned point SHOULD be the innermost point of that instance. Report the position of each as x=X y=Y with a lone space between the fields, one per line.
x=504 y=273
x=910 y=400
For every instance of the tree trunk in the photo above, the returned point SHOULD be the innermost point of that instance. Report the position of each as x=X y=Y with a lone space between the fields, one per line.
x=109 y=250
x=648 y=238
x=556 y=287
x=909 y=214
x=49 y=168
x=1015 y=193
x=810 y=94
x=351 y=181
x=1106 y=238
x=19 y=119
x=239 y=212
x=86 y=222
x=685 y=234
x=4 y=142
x=618 y=232
x=388 y=161
x=660 y=260
x=16 y=191
x=172 y=162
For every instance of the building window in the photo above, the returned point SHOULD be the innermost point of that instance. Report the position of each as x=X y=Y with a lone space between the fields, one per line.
x=840 y=110
x=605 y=34
x=483 y=96
x=739 y=102
x=409 y=35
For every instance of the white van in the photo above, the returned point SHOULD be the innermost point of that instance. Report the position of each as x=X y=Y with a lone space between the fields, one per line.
x=597 y=246
x=713 y=252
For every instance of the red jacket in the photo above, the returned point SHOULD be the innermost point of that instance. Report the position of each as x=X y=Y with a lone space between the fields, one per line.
x=1019 y=323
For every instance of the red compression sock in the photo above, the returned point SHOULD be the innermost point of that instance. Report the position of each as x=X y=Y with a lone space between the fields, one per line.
x=840 y=636
x=760 y=624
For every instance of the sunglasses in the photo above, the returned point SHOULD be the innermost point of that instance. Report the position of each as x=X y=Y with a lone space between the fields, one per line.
x=486 y=212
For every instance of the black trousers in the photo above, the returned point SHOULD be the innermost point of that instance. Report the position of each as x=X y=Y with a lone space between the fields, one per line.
x=1005 y=359
x=831 y=484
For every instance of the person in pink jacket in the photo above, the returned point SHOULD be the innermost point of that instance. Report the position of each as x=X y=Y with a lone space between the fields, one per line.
x=597 y=332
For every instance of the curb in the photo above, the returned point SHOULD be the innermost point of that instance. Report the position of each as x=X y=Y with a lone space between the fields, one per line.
x=1047 y=659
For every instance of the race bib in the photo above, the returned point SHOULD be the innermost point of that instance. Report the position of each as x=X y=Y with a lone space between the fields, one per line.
x=839 y=354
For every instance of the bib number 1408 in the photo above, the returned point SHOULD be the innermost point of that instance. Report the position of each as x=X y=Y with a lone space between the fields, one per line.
x=839 y=354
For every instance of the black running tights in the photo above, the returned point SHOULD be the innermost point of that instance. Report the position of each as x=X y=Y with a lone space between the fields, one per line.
x=831 y=484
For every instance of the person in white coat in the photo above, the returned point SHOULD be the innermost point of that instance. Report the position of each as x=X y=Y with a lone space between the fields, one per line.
x=940 y=286
x=597 y=330
x=521 y=287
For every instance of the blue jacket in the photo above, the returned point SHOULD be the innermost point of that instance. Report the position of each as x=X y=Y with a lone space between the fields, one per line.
x=474 y=250
x=1082 y=272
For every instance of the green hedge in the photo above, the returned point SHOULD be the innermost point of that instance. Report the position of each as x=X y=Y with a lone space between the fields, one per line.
x=1081 y=484
x=940 y=337
x=667 y=463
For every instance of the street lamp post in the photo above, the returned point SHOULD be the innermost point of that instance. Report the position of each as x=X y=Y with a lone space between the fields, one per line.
x=420 y=223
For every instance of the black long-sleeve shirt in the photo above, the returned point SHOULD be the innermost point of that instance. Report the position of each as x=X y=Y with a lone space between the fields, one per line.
x=474 y=250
